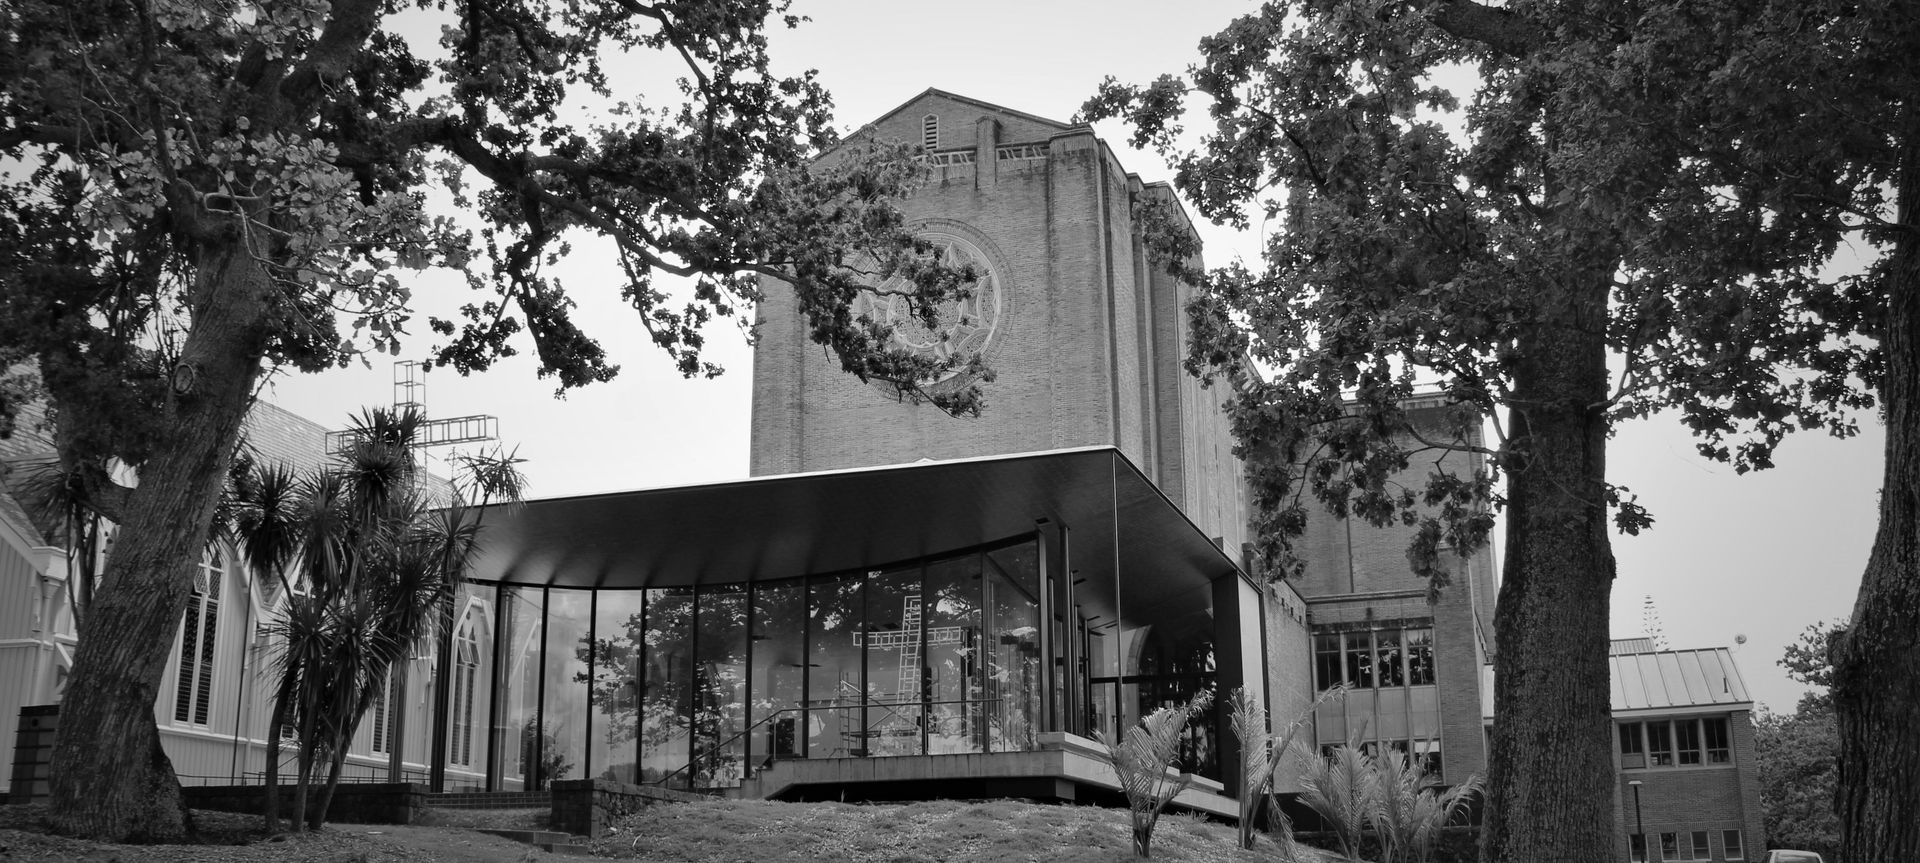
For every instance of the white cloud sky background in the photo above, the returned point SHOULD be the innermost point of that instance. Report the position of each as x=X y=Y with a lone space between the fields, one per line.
x=1761 y=555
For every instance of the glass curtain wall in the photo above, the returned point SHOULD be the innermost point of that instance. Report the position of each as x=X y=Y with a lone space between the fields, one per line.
x=563 y=721
x=666 y=705
x=688 y=686
x=778 y=671
x=517 y=688
x=619 y=633
x=1013 y=681
x=720 y=687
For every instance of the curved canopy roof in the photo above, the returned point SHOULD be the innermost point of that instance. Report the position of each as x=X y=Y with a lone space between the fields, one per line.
x=783 y=526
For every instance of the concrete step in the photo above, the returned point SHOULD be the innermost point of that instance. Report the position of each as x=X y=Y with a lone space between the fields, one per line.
x=551 y=841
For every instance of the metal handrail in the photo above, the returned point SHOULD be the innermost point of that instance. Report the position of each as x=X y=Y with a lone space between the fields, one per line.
x=748 y=772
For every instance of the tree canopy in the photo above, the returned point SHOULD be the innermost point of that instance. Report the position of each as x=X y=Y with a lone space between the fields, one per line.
x=1578 y=241
x=201 y=189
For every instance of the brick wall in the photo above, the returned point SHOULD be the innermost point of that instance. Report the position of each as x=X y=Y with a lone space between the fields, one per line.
x=1289 y=679
x=1087 y=350
x=353 y=803
x=1713 y=798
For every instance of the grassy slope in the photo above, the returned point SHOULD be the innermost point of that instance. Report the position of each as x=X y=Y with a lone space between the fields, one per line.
x=717 y=831
x=944 y=831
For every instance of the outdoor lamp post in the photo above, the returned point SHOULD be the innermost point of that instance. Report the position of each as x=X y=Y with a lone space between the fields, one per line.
x=1639 y=825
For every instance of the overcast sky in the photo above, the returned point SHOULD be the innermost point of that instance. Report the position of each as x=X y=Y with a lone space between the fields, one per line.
x=1760 y=556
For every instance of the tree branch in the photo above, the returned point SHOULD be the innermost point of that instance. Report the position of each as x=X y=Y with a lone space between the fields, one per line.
x=1496 y=28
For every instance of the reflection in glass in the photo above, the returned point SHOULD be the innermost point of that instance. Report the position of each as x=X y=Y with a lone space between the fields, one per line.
x=1013 y=662
x=517 y=694
x=779 y=671
x=956 y=717
x=894 y=674
x=619 y=631
x=720 y=687
x=834 y=679
x=563 y=725
x=472 y=682
x=693 y=687
x=666 y=739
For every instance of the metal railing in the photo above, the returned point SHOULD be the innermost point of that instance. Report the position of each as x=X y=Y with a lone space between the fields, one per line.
x=907 y=711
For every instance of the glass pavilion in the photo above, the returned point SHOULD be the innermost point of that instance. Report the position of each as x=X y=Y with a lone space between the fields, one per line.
x=689 y=636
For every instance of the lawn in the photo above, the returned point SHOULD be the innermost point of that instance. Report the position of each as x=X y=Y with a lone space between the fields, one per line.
x=716 y=831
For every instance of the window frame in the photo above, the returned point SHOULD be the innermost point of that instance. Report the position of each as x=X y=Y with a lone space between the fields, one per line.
x=1734 y=850
x=1722 y=754
x=199 y=642
x=1702 y=848
x=1687 y=747
x=1670 y=845
x=1660 y=744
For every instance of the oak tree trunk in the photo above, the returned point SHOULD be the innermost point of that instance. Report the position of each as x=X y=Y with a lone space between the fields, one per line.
x=110 y=779
x=1551 y=763
x=1876 y=662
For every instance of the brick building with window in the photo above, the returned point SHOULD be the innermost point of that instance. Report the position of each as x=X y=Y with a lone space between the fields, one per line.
x=1688 y=787
x=902 y=603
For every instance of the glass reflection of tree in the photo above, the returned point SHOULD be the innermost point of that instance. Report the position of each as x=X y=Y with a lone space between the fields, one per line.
x=540 y=748
x=1013 y=653
x=956 y=723
x=720 y=679
x=615 y=691
x=1177 y=662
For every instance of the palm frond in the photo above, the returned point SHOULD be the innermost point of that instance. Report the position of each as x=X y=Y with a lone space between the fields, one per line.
x=1142 y=760
x=1338 y=787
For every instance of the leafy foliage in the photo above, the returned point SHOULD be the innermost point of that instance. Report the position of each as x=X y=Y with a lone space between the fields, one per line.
x=1799 y=767
x=1808 y=660
x=1388 y=796
x=1261 y=754
x=199 y=190
x=368 y=560
x=1143 y=761
x=1585 y=238
x=1415 y=234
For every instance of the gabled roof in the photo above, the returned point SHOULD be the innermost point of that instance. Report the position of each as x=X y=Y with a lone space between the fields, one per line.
x=1652 y=681
x=1668 y=679
x=15 y=521
x=966 y=100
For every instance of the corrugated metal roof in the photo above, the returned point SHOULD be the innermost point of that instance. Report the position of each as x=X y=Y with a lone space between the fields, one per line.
x=1675 y=678
x=1658 y=679
x=1618 y=646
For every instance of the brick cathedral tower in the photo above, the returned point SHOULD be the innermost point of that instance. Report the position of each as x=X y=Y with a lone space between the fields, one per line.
x=1085 y=336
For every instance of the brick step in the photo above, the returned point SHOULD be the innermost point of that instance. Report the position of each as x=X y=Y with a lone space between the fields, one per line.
x=491 y=799
x=546 y=840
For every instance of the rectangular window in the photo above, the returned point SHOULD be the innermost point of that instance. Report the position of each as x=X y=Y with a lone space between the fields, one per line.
x=1686 y=733
x=1419 y=657
x=1630 y=742
x=1670 y=846
x=1326 y=661
x=1719 y=750
x=380 y=722
x=1360 y=660
x=1730 y=843
x=1637 y=848
x=1389 y=665
x=386 y=714
x=1700 y=849
x=1659 y=744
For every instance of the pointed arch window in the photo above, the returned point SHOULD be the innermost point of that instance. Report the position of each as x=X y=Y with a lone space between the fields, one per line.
x=199 y=634
x=466 y=675
x=386 y=713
